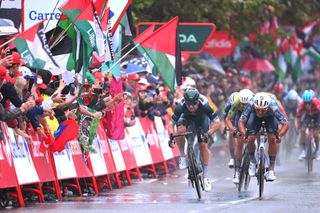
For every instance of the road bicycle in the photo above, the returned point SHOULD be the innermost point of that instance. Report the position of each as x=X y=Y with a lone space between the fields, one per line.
x=310 y=146
x=194 y=169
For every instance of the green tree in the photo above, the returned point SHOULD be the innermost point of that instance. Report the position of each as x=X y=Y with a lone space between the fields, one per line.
x=239 y=17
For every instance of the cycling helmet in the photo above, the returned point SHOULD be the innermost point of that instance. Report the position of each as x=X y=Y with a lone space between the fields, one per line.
x=191 y=95
x=292 y=95
x=245 y=96
x=261 y=100
x=278 y=88
x=307 y=96
x=233 y=97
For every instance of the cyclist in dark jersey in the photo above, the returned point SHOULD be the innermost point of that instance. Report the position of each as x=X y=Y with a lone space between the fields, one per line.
x=263 y=108
x=195 y=109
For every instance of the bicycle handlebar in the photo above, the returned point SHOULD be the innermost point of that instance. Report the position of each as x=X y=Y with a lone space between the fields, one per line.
x=183 y=134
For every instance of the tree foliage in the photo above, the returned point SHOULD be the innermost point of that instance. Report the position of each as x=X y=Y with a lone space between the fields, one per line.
x=239 y=17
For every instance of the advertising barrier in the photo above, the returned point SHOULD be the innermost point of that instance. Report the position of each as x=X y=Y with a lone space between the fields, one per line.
x=144 y=146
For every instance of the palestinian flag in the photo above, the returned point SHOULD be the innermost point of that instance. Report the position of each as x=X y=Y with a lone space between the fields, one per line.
x=63 y=50
x=280 y=65
x=314 y=53
x=33 y=48
x=165 y=53
x=90 y=29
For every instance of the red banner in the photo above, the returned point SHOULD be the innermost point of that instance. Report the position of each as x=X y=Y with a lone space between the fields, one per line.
x=220 y=44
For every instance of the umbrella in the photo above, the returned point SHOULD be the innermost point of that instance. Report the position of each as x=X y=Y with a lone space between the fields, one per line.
x=7 y=27
x=210 y=62
x=258 y=65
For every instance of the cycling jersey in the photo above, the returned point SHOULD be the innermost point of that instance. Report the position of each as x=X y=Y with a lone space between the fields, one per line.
x=313 y=110
x=236 y=106
x=203 y=109
x=290 y=107
x=226 y=109
x=272 y=110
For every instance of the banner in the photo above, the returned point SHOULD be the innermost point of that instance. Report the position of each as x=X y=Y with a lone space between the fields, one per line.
x=22 y=159
x=137 y=140
x=163 y=138
x=79 y=160
x=97 y=159
x=117 y=155
x=220 y=44
x=127 y=153
x=64 y=164
x=38 y=10
x=41 y=161
x=8 y=177
x=152 y=139
x=104 y=146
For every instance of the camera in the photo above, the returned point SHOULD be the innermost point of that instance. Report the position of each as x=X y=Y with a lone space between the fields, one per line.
x=97 y=91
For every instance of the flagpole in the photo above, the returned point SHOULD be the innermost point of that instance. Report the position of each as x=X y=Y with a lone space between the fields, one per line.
x=62 y=34
x=127 y=53
x=7 y=42
x=51 y=13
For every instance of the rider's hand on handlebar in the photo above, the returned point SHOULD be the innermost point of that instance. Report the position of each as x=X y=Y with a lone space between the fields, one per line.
x=278 y=138
x=171 y=142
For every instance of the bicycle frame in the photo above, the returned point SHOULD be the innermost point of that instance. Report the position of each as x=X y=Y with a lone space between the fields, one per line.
x=193 y=168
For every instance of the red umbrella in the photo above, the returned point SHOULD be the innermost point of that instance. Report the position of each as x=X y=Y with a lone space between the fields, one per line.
x=258 y=65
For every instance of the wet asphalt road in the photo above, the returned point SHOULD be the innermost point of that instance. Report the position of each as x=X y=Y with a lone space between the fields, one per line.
x=293 y=191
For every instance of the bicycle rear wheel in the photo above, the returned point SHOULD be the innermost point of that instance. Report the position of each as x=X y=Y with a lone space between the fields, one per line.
x=261 y=172
x=310 y=156
x=194 y=170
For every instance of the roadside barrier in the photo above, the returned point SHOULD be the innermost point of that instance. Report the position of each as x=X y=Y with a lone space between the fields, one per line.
x=24 y=169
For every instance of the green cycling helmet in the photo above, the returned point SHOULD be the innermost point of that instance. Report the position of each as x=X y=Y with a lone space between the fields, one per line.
x=191 y=95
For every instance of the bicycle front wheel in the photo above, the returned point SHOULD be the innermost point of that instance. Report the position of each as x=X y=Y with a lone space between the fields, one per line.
x=310 y=156
x=193 y=167
x=261 y=172
x=244 y=175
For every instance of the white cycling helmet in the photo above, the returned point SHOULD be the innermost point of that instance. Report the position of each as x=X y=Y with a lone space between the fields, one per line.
x=261 y=100
x=293 y=95
x=245 y=96
x=233 y=97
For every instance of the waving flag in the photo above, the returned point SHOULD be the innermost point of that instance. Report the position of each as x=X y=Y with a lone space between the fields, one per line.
x=164 y=53
x=117 y=10
x=33 y=48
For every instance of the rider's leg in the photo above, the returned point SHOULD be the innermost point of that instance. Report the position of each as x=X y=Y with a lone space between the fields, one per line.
x=316 y=139
x=238 y=153
x=231 y=146
x=204 y=158
x=272 y=151
x=180 y=140
x=252 y=147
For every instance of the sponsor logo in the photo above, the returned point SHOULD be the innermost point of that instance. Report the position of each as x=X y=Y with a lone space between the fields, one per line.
x=187 y=38
x=214 y=43
x=34 y=15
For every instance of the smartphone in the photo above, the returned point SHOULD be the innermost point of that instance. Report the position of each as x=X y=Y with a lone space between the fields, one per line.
x=74 y=106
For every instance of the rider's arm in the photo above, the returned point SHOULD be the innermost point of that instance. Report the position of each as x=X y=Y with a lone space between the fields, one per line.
x=230 y=116
x=175 y=117
x=214 y=119
x=244 y=118
x=283 y=121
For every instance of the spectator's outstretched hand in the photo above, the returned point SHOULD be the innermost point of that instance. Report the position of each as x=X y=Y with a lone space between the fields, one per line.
x=118 y=98
x=4 y=52
x=6 y=61
x=27 y=105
